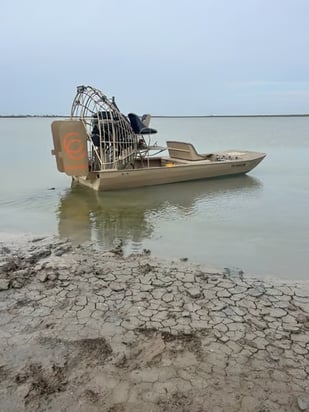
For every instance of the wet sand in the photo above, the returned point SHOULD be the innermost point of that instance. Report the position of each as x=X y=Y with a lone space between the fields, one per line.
x=88 y=330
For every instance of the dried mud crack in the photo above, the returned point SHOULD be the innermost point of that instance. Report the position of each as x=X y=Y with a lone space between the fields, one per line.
x=88 y=330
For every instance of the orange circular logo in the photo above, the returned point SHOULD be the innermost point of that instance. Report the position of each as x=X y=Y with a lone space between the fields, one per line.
x=74 y=146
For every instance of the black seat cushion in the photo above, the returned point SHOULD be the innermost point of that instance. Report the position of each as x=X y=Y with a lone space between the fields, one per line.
x=138 y=126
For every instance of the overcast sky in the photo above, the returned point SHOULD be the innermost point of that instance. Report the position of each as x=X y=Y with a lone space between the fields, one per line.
x=165 y=57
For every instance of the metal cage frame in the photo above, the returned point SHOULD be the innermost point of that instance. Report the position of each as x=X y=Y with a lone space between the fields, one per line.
x=112 y=143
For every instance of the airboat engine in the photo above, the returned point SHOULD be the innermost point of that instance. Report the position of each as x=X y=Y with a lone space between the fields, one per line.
x=98 y=136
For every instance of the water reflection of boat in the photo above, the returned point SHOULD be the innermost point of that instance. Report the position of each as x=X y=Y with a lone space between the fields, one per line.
x=130 y=215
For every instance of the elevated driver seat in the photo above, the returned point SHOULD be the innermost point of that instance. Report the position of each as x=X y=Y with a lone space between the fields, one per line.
x=138 y=126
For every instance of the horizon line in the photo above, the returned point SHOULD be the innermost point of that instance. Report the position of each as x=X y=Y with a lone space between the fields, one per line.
x=165 y=116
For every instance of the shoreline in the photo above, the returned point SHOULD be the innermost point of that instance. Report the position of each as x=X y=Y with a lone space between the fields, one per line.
x=85 y=329
x=20 y=240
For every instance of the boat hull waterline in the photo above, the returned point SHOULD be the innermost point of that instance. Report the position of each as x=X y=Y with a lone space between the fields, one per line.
x=170 y=173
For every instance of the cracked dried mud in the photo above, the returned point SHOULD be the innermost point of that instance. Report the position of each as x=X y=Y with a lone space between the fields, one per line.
x=88 y=330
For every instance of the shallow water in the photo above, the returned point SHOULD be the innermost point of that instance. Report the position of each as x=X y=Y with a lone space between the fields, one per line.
x=257 y=222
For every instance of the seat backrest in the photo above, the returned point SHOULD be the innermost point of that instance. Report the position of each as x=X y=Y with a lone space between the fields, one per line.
x=184 y=151
x=138 y=126
x=136 y=123
x=146 y=119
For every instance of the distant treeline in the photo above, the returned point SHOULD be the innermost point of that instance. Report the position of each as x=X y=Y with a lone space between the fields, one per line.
x=230 y=115
x=163 y=116
x=30 y=115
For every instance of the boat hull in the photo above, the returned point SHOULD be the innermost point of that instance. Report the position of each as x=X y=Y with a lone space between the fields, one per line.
x=171 y=172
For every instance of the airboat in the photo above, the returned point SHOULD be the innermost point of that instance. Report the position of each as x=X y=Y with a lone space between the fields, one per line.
x=103 y=149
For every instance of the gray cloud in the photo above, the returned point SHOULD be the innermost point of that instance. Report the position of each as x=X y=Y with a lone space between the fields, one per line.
x=166 y=57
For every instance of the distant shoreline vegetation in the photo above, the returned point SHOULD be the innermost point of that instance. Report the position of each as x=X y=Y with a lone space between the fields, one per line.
x=21 y=116
x=30 y=115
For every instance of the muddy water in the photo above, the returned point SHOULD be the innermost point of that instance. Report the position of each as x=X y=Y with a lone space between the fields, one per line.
x=257 y=222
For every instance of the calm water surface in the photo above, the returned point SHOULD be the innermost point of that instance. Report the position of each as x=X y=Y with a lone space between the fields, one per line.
x=257 y=222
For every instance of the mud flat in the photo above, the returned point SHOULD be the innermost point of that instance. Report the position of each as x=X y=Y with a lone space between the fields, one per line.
x=87 y=330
